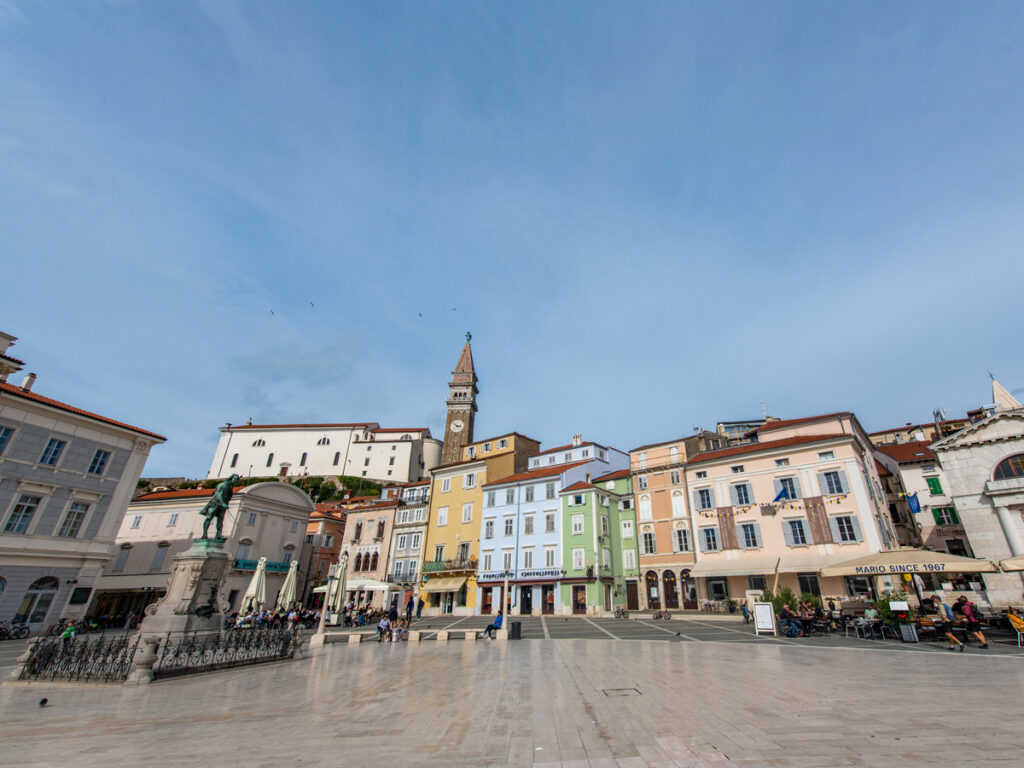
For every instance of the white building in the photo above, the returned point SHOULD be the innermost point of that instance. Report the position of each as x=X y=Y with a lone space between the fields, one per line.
x=263 y=520
x=66 y=477
x=363 y=449
x=984 y=464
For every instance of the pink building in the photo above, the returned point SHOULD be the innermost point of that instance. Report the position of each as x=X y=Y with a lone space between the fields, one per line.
x=367 y=540
x=805 y=495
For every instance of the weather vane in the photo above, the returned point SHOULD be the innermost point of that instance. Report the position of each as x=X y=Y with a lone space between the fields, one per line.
x=469 y=337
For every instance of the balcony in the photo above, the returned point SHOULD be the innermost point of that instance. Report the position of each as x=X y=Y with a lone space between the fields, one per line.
x=443 y=566
x=250 y=565
x=402 y=578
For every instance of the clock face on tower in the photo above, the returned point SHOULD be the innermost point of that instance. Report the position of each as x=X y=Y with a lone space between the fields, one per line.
x=457 y=425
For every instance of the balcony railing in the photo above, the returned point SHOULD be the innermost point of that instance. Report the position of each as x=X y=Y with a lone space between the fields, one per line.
x=403 y=578
x=459 y=564
x=250 y=565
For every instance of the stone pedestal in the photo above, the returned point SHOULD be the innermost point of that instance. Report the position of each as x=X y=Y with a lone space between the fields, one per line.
x=192 y=602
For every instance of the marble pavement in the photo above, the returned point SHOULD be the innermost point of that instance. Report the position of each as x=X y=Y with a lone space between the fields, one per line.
x=578 y=703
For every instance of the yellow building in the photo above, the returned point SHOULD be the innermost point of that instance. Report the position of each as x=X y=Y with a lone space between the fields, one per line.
x=453 y=523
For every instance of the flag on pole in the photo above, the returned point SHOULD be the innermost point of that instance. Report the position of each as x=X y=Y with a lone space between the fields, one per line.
x=783 y=494
x=915 y=505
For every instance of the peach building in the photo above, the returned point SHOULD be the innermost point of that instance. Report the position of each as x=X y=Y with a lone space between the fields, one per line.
x=805 y=495
x=367 y=540
x=665 y=534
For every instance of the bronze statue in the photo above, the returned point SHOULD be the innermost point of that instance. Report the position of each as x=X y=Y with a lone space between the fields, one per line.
x=218 y=505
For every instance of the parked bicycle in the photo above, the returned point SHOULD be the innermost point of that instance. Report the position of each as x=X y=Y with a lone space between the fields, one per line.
x=662 y=615
x=82 y=626
x=621 y=613
x=15 y=631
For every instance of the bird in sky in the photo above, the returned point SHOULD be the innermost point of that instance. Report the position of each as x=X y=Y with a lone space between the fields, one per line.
x=453 y=309
x=273 y=313
x=420 y=314
x=311 y=303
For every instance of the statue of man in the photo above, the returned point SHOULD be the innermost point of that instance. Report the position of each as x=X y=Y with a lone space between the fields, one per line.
x=218 y=505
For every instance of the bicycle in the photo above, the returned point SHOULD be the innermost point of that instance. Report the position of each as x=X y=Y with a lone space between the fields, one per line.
x=662 y=615
x=16 y=631
x=621 y=613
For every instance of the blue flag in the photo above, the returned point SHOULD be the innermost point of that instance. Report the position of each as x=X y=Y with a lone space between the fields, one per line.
x=783 y=494
x=915 y=505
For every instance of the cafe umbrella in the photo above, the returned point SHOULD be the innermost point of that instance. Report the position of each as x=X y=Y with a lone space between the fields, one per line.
x=1012 y=563
x=256 y=593
x=287 y=595
x=909 y=560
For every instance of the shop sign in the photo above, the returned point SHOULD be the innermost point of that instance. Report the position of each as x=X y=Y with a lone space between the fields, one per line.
x=875 y=570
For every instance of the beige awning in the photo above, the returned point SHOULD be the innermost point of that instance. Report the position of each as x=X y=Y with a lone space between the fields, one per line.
x=1012 y=563
x=132 y=581
x=444 y=584
x=755 y=566
x=908 y=560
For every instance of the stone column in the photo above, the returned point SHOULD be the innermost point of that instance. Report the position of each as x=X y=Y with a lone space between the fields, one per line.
x=1010 y=531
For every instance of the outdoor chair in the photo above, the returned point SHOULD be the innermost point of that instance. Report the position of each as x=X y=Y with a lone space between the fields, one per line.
x=1017 y=625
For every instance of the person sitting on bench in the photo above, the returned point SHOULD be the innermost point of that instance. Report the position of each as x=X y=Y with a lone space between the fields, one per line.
x=495 y=625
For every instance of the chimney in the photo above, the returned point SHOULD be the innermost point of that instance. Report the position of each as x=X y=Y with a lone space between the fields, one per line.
x=588 y=477
x=26 y=385
x=577 y=440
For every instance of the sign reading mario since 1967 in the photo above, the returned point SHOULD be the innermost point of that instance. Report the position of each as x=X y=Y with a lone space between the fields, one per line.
x=868 y=570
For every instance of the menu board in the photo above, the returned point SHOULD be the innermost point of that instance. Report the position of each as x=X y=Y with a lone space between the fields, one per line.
x=764 y=618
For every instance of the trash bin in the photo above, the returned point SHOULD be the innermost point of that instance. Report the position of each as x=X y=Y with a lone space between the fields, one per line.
x=515 y=630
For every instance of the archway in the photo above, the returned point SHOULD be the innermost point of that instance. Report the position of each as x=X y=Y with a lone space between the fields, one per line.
x=36 y=602
x=653 y=599
x=671 y=593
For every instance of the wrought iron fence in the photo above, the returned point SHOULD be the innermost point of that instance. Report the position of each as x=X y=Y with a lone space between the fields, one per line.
x=103 y=659
x=189 y=654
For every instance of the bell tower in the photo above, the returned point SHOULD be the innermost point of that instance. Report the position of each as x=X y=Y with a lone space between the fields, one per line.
x=462 y=392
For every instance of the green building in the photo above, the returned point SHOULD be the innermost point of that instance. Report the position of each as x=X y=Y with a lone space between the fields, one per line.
x=599 y=545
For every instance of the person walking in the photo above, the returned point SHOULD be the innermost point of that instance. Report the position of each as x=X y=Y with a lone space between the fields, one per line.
x=496 y=624
x=946 y=617
x=419 y=608
x=973 y=617
x=409 y=607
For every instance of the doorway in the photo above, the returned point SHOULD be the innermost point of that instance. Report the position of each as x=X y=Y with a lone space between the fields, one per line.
x=526 y=601
x=653 y=600
x=689 y=594
x=632 y=596
x=579 y=598
x=607 y=597
x=485 y=605
x=671 y=594
x=547 y=596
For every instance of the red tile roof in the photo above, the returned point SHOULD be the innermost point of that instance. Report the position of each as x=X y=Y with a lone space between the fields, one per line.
x=536 y=474
x=399 y=429
x=613 y=476
x=13 y=359
x=581 y=486
x=10 y=389
x=770 y=425
x=656 y=445
x=740 y=450
x=882 y=471
x=928 y=424
x=381 y=505
x=182 y=494
x=299 y=426
x=563 y=448
x=907 y=452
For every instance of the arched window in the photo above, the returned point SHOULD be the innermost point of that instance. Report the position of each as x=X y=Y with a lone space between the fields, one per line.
x=373 y=562
x=645 y=507
x=302 y=461
x=36 y=602
x=234 y=461
x=673 y=454
x=653 y=599
x=259 y=443
x=159 y=555
x=337 y=457
x=1010 y=468
x=678 y=504
x=270 y=459
x=671 y=594
x=324 y=441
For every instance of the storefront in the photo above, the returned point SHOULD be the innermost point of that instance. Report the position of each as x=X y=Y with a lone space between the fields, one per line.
x=445 y=593
x=531 y=593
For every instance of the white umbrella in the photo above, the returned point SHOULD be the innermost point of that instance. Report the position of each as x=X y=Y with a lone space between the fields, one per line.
x=256 y=593
x=287 y=595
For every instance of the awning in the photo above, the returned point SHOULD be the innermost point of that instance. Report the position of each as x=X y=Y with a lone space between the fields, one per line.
x=755 y=566
x=370 y=585
x=132 y=582
x=444 y=584
x=1012 y=563
x=908 y=560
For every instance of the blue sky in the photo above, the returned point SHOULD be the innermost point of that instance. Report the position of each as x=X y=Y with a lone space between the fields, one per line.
x=651 y=216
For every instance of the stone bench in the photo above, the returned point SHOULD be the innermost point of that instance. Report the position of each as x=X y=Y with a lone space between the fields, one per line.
x=442 y=636
x=501 y=634
x=355 y=638
x=414 y=636
x=470 y=634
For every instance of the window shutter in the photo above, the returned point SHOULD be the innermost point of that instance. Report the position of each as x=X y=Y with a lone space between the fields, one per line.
x=718 y=538
x=711 y=492
x=844 y=482
x=696 y=500
x=937 y=516
x=757 y=534
x=807 y=532
x=834 y=525
x=787 y=531
x=856 y=528
x=740 y=538
x=954 y=516
x=797 y=488
x=702 y=540
x=778 y=488
x=822 y=484
x=734 y=495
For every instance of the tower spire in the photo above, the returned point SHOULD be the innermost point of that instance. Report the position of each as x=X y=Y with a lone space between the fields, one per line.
x=462 y=392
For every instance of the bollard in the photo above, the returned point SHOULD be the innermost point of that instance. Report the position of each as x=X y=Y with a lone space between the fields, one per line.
x=442 y=636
